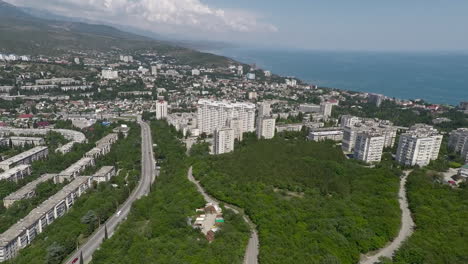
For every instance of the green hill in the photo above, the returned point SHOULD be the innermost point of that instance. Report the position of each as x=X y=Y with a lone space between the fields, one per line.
x=22 y=33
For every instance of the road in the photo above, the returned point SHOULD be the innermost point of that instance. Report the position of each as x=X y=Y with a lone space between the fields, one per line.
x=406 y=229
x=251 y=252
x=148 y=175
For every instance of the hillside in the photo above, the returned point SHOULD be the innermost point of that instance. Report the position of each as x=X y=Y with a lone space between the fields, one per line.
x=23 y=33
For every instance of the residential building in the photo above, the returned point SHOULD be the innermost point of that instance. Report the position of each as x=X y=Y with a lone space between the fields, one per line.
x=28 y=191
x=154 y=70
x=109 y=74
x=223 y=141
x=24 y=231
x=266 y=127
x=369 y=146
x=349 y=120
x=419 y=145
x=26 y=157
x=161 y=109
x=289 y=127
x=458 y=142
x=238 y=127
x=22 y=141
x=212 y=115
x=264 y=109
x=376 y=99
x=16 y=173
x=309 y=108
x=104 y=174
x=463 y=172
x=74 y=170
x=326 y=109
x=321 y=134
x=361 y=125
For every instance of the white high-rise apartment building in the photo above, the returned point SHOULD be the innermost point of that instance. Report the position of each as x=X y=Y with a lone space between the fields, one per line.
x=212 y=115
x=349 y=120
x=223 y=141
x=238 y=127
x=369 y=147
x=355 y=125
x=161 y=109
x=266 y=127
x=154 y=70
x=326 y=109
x=264 y=109
x=419 y=146
x=458 y=142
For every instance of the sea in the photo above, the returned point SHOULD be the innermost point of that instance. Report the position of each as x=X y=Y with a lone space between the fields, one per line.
x=438 y=77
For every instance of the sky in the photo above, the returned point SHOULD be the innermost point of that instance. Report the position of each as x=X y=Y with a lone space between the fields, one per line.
x=367 y=25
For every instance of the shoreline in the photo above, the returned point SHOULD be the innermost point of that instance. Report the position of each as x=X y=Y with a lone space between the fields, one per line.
x=242 y=58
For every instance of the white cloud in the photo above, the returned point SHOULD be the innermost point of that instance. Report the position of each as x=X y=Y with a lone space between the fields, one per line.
x=166 y=15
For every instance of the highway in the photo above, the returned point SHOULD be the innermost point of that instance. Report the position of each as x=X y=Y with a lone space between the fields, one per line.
x=148 y=174
x=251 y=252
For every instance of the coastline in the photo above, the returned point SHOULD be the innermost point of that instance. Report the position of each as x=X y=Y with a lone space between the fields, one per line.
x=368 y=72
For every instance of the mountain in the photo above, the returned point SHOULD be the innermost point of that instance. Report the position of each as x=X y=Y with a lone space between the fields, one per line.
x=23 y=33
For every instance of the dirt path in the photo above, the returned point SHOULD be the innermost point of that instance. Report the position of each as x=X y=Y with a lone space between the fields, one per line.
x=406 y=229
x=251 y=252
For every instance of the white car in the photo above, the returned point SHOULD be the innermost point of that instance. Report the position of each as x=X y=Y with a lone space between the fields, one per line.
x=119 y=212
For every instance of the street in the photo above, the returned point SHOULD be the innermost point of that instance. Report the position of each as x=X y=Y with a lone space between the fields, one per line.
x=143 y=188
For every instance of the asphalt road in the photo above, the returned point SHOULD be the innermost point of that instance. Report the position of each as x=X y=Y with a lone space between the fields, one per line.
x=251 y=252
x=148 y=173
x=406 y=229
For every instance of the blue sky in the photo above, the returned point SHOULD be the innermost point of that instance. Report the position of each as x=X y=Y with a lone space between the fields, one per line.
x=423 y=25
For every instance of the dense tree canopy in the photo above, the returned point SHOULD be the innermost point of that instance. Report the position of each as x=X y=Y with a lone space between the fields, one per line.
x=310 y=203
x=441 y=214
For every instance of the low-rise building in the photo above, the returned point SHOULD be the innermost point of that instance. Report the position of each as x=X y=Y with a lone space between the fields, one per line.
x=26 y=157
x=24 y=231
x=74 y=170
x=16 y=173
x=289 y=127
x=104 y=174
x=27 y=191
x=22 y=141
x=321 y=134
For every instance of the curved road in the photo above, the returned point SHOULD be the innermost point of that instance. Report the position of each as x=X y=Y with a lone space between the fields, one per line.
x=251 y=252
x=143 y=188
x=406 y=229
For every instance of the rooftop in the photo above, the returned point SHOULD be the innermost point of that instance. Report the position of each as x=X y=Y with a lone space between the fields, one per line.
x=22 y=192
x=39 y=211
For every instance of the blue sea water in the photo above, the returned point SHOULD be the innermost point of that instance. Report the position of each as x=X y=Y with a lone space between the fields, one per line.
x=435 y=77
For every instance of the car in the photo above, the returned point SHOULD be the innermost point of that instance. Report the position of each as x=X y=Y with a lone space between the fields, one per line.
x=75 y=260
x=119 y=212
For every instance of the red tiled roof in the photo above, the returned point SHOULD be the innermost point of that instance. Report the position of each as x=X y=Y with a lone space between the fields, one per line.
x=25 y=116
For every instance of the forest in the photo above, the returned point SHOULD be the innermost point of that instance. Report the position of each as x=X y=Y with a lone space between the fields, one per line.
x=440 y=214
x=310 y=203
x=92 y=209
x=157 y=229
